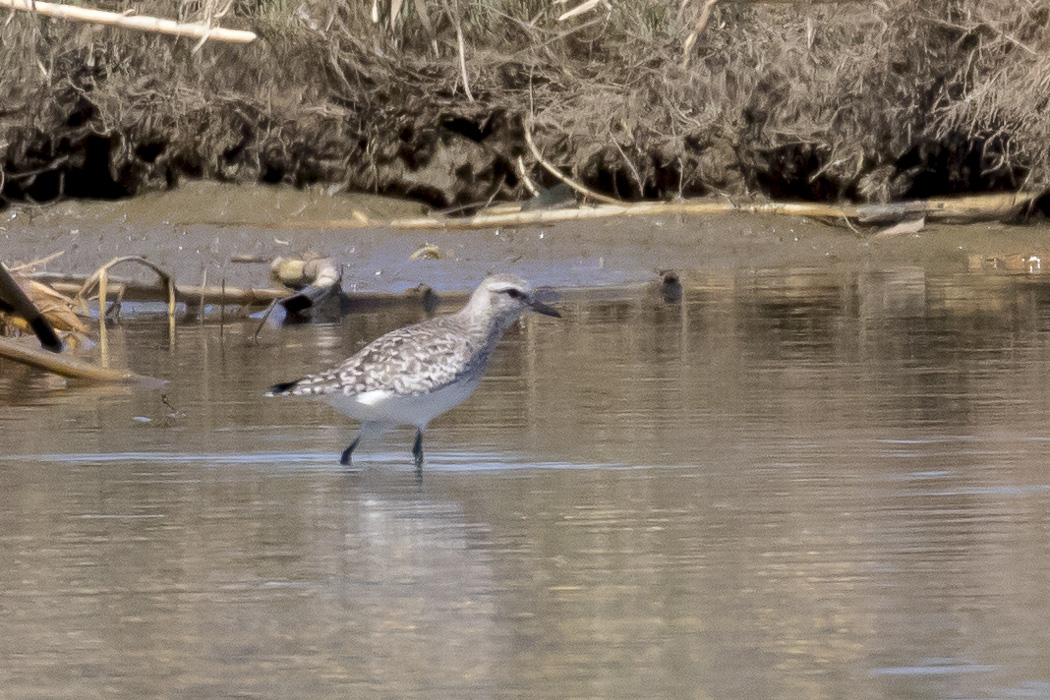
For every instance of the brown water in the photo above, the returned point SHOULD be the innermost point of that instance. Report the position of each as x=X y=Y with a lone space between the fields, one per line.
x=790 y=484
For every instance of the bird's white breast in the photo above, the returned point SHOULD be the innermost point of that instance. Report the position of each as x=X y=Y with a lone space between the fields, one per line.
x=384 y=406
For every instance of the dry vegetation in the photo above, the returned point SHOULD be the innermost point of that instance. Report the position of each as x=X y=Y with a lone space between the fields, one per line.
x=867 y=101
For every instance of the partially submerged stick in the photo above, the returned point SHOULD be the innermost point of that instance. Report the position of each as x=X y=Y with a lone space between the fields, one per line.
x=101 y=279
x=214 y=294
x=64 y=365
x=137 y=291
x=195 y=30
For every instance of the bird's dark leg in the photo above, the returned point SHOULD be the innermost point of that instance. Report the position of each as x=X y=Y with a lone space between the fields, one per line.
x=417 y=450
x=347 y=458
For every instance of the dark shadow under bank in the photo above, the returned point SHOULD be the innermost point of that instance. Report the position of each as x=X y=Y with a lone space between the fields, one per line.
x=779 y=100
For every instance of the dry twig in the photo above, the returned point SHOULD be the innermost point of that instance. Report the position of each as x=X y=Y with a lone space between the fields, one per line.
x=597 y=196
x=701 y=22
x=462 y=50
x=146 y=24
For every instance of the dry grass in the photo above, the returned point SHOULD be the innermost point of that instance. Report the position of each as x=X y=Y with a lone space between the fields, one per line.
x=890 y=98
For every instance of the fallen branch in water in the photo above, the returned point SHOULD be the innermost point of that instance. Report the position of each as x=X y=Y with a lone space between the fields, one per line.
x=192 y=295
x=147 y=24
x=215 y=294
x=100 y=278
x=64 y=365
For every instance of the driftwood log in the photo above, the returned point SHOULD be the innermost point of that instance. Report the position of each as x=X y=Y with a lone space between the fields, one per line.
x=968 y=209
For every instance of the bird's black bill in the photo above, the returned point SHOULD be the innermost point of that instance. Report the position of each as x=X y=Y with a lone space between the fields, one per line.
x=541 y=308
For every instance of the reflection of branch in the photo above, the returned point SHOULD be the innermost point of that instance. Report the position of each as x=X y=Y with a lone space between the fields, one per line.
x=564 y=178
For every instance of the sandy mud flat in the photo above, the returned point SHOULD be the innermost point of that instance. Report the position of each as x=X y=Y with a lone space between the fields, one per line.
x=201 y=227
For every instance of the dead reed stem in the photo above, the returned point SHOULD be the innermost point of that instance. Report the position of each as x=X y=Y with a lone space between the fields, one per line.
x=147 y=24
x=701 y=22
x=558 y=174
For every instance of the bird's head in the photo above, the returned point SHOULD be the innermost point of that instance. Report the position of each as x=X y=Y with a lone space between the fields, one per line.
x=506 y=297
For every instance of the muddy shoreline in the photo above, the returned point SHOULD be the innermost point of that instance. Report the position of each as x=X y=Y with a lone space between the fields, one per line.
x=184 y=232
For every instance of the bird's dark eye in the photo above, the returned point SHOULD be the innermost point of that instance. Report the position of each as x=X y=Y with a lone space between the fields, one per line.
x=514 y=293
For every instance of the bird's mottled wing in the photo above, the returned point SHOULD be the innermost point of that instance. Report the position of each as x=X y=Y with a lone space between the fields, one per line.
x=411 y=360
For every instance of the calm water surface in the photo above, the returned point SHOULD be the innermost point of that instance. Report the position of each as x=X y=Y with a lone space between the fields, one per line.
x=786 y=485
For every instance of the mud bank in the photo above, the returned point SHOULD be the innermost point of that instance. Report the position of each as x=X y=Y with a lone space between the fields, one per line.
x=198 y=229
x=431 y=100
